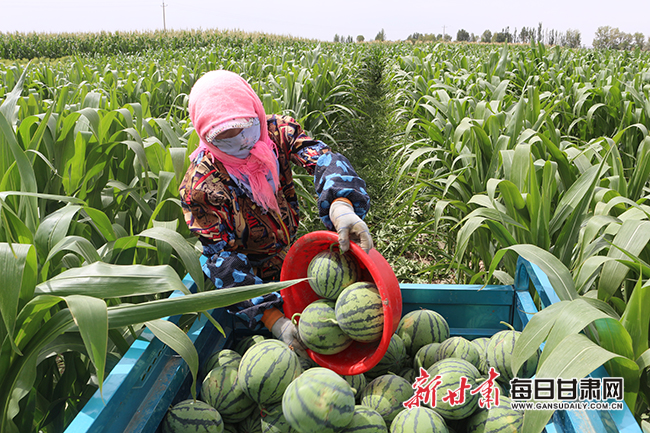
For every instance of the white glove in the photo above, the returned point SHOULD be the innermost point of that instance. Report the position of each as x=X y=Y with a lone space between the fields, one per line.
x=345 y=222
x=287 y=332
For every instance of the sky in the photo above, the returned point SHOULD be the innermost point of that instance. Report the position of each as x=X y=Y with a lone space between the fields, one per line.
x=323 y=19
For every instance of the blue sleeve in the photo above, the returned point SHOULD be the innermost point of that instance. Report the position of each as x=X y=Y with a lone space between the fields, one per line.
x=334 y=177
x=227 y=270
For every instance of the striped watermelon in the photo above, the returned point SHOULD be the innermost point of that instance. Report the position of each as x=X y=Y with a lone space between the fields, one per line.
x=306 y=363
x=458 y=347
x=360 y=312
x=221 y=391
x=330 y=272
x=266 y=369
x=386 y=394
x=394 y=360
x=451 y=370
x=499 y=356
x=418 y=420
x=365 y=420
x=223 y=357
x=191 y=416
x=230 y=428
x=357 y=382
x=245 y=343
x=501 y=418
x=318 y=401
x=426 y=356
x=410 y=374
x=252 y=424
x=273 y=420
x=420 y=327
x=319 y=331
x=481 y=344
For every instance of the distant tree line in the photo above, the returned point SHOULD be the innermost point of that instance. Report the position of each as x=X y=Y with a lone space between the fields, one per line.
x=570 y=38
x=614 y=39
x=348 y=39
x=606 y=37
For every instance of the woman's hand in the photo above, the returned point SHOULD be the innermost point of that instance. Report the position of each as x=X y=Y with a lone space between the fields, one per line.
x=349 y=225
x=287 y=332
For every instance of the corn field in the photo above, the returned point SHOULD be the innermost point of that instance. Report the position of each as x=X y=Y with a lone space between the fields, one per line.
x=473 y=155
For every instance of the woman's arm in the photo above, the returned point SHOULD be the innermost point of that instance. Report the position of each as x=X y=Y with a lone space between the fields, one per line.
x=334 y=176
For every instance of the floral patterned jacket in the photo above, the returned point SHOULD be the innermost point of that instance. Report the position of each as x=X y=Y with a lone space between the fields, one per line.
x=243 y=243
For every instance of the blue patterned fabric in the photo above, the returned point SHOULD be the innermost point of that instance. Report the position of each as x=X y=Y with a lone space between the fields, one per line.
x=335 y=178
x=227 y=270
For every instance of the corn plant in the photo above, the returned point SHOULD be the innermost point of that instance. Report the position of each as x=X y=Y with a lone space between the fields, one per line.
x=541 y=154
x=90 y=242
x=92 y=151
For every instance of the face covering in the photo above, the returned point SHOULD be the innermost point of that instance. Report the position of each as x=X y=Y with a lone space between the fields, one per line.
x=240 y=145
x=219 y=98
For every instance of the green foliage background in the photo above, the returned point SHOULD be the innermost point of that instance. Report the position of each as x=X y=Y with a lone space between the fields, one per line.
x=473 y=154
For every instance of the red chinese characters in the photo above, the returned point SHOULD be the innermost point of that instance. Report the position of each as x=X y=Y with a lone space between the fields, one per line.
x=425 y=391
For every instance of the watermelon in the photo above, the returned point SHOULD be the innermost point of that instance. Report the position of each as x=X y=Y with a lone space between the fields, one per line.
x=360 y=312
x=191 y=416
x=306 y=363
x=330 y=272
x=410 y=374
x=319 y=331
x=418 y=420
x=501 y=418
x=394 y=360
x=425 y=357
x=318 y=401
x=266 y=369
x=386 y=394
x=252 y=424
x=357 y=382
x=457 y=347
x=245 y=343
x=273 y=420
x=499 y=356
x=451 y=370
x=481 y=344
x=365 y=420
x=421 y=327
x=221 y=391
x=230 y=428
x=222 y=357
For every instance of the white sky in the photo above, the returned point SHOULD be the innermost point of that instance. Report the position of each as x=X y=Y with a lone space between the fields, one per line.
x=323 y=19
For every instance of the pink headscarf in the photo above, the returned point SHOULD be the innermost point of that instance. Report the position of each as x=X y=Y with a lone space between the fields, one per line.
x=221 y=96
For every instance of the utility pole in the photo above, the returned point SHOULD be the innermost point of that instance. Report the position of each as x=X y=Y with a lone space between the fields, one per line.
x=443 y=32
x=164 y=24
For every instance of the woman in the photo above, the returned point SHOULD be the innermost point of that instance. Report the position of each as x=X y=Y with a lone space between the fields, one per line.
x=238 y=194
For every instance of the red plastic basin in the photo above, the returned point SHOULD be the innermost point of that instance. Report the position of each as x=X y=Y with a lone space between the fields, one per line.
x=359 y=357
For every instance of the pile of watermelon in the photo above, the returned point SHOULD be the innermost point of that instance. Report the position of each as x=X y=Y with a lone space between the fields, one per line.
x=263 y=386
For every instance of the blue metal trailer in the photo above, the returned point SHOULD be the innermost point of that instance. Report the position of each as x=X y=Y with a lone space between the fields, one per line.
x=150 y=377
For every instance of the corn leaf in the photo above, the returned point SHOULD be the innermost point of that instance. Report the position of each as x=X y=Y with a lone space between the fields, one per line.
x=558 y=274
x=15 y=264
x=575 y=357
x=179 y=342
x=632 y=237
x=91 y=317
x=575 y=317
x=535 y=333
x=104 y=280
x=188 y=255
x=636 y=318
